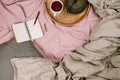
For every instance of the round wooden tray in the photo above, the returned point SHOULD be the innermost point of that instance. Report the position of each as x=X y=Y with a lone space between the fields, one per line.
x=64 y=17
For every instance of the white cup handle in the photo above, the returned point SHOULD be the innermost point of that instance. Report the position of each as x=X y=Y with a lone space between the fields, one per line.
x=54 y=14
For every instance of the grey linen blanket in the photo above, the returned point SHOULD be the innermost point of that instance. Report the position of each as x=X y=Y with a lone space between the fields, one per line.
x=99 y=59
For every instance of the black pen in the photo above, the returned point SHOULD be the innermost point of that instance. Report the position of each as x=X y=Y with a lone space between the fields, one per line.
x=36 y=18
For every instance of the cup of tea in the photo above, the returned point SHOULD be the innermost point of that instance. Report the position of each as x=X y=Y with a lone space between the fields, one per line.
x=56 y=6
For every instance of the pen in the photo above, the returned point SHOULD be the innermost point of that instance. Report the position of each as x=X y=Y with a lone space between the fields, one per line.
x=36 y=18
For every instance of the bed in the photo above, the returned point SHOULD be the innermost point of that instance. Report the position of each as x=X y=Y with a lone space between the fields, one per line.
x=97 y=60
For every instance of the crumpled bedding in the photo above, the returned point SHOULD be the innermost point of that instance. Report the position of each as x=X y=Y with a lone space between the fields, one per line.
x=99 y=59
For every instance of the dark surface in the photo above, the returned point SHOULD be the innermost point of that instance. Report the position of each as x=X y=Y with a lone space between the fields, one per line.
x=10 y=50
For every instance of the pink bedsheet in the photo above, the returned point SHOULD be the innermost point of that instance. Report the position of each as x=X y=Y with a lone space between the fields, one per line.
x=57 y=40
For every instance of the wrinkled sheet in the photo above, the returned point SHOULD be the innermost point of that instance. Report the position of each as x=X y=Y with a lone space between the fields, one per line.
x=99 y=59
x=58 y=40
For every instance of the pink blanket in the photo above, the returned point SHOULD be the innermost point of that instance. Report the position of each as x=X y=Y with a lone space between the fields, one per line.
x=58 y=40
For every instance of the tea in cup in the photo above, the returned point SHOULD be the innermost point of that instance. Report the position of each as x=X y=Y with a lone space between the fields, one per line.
x=56 y=6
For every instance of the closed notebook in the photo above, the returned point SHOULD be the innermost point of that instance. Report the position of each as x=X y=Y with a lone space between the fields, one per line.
x=27 y=31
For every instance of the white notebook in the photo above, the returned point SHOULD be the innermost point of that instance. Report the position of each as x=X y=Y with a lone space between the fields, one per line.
x=27 y=31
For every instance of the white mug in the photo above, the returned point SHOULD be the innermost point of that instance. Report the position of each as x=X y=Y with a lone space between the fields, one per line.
x=56 y=6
